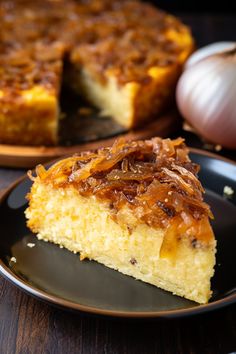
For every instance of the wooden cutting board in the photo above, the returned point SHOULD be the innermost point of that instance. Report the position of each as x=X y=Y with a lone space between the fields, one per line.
x=30 y=156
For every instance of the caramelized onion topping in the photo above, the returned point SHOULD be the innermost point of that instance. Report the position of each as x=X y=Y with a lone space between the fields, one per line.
x=125 y=36
x=153 y=178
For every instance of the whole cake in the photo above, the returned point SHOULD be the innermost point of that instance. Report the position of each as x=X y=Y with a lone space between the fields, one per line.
x=136 y=207
x=123 y=56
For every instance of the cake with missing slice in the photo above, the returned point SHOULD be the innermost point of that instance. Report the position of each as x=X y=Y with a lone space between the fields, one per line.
x=136 y=207
x=123 y=56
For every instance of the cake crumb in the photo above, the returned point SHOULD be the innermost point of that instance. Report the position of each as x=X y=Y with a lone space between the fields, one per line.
x=85 y=111
x=228 y=191
x=218 y=147
x=30 y=244
x=83 y=256
x=188 y=128
x=13 y=259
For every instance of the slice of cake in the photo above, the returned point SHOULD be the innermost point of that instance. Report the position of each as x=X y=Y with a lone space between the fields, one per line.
x=136 y=207
x=123 y=56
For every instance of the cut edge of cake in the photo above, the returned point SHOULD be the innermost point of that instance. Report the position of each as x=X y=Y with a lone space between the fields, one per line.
x=30 y=117
x=133 y=102
x=97 y=237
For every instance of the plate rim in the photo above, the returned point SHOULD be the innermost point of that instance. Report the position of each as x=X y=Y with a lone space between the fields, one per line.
x=8 y=274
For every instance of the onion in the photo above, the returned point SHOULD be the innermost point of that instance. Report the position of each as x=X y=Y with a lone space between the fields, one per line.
x=214 y=48
x=206 y=94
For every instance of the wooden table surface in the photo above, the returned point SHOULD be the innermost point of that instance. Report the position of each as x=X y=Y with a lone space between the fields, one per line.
x=28 y=326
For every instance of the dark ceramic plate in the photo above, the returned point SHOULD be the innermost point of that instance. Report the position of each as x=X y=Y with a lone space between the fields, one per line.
x=59 y=277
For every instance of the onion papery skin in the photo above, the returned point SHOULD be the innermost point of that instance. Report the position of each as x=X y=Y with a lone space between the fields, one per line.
x=210 y=49
x=206 y=97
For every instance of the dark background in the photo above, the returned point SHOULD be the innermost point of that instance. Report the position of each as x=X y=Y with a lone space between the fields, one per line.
x=225 y=6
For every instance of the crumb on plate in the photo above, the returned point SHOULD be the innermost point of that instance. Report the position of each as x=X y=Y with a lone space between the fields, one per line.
x=218 y=147
x=30 y=245
x=228 y=191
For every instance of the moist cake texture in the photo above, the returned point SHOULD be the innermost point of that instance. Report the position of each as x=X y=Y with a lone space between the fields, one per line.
x=136 y=207
x=123 y=56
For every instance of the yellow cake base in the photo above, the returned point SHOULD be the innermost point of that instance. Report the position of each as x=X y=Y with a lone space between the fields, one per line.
x=30 y=118
x=85 y=225
x=132 y=103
